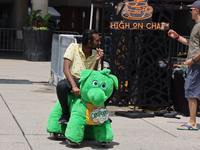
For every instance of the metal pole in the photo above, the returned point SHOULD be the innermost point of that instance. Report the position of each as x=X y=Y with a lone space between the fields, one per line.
x=103 y=26
x=91 y=16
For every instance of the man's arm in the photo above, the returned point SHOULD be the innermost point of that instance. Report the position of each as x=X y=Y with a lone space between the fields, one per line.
x=176 y=36
x=95 y=66
x=189 y=62
x=69 y=76
x=100 y=54
x=197 y=57
x=183 y=40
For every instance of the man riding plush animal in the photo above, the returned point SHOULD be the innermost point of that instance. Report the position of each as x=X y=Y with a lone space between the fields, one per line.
x=88 y=116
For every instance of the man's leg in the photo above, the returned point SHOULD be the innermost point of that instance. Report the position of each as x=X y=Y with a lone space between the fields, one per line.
x=192 y=103
x=63 y=90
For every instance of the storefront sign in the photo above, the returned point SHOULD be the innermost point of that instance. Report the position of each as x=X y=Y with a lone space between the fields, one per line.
x=139 y=26
x=137 y=15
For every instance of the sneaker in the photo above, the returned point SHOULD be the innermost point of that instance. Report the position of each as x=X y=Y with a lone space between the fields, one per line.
x=63 y=119
x=104 y=143
x=72 y=143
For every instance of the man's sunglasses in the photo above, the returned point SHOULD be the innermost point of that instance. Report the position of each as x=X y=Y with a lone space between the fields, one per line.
x=192 y=9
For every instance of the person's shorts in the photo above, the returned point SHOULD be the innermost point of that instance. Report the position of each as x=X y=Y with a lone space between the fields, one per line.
x=192 y=83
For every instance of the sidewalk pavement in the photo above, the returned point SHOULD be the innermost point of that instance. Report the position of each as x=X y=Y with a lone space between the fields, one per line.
x=26 y=101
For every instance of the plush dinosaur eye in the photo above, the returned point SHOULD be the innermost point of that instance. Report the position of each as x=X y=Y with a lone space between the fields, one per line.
x=103 y=85
x=95 y=83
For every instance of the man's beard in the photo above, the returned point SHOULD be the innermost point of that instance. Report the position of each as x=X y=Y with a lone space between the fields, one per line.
x=93 y=47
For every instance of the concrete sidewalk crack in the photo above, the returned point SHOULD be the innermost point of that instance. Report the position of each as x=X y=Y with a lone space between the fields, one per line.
x=16 y=122
x=159 y=128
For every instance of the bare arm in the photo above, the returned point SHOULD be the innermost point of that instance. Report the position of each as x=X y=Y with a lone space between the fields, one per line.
x=184 y=40
x=197 y=57
x=69 y=76
x=189 y=62
x=181 y=39
x=100 y=54
x=95 y=65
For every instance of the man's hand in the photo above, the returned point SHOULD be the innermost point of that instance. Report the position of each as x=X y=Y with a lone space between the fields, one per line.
x=100 y=53
x=172 y=34
x=188 y=62
x=76 y=91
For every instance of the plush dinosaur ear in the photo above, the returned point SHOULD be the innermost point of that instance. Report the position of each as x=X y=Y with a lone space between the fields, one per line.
x=105 y=71
x=84 y=74
x=115 y=80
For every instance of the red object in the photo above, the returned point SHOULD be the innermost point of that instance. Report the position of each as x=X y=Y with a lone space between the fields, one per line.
x=40 y=24
x=177 y=37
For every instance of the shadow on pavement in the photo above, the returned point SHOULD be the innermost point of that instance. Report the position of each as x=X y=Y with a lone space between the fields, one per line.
x=85 y=143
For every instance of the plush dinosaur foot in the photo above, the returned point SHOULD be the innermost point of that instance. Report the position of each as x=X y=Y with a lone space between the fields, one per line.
x=72 y=143
x=104 y=143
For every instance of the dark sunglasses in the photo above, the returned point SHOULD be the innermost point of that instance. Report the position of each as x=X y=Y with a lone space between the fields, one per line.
x=193 y=8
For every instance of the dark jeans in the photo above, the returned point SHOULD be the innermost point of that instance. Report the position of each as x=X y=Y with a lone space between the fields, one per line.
x=64 y=88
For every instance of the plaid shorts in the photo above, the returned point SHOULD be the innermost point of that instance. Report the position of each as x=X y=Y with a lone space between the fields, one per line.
x=192 y=83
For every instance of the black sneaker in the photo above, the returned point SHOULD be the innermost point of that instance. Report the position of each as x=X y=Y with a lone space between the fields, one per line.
x=63 y=119
x=104 y=143
x=72 y=143
x=110 y=120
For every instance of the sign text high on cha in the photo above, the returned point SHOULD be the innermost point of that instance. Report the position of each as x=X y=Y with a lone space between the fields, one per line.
x=139 y=26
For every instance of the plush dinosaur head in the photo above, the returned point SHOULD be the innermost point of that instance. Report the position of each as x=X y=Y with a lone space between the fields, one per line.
x=97 y=86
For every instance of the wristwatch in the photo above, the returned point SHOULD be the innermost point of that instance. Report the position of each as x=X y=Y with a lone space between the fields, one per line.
x=193 y=60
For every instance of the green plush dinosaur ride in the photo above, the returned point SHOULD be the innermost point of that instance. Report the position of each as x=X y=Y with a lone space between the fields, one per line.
x=88 y=116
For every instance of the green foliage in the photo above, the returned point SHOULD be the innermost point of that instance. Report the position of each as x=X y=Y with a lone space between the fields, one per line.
x=41 y=28
x=36 y=21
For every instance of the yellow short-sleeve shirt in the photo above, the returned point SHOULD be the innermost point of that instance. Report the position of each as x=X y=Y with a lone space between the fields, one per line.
x=78 y=60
